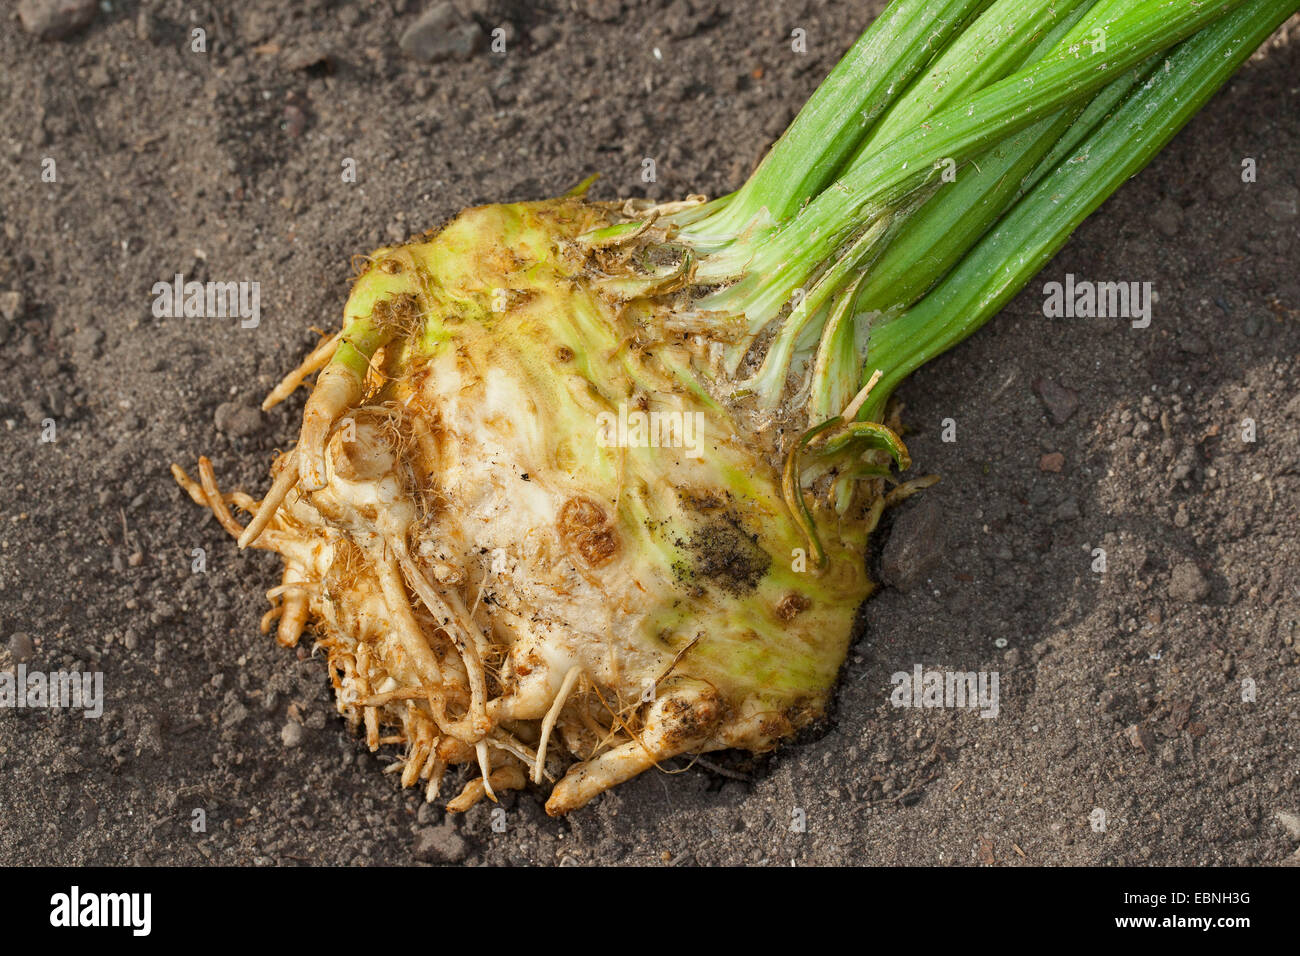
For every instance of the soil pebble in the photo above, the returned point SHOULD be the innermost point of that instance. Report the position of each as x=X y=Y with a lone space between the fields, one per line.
x=1140 y=736
x=56 y=19
x=440 y=844
x=1059 y=400
x=1290 y=822
x=915 y=546
x=21 y=647
x=11 y=305
x=1282 y=204
x=1188 y=584
x=440 y=34
x=1168 y=218
x=604 y=11
x=238 y=420
x=292 y=734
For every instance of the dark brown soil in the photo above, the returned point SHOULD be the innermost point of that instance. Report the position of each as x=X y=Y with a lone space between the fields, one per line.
x=1121 y=692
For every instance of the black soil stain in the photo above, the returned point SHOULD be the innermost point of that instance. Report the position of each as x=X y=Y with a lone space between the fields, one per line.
x=728 y=557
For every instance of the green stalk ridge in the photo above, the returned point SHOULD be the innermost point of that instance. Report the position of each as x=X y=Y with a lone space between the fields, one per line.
x=961 y=131
x=897 y=46
x=998 y=43
x=1036 y=227
x=830 y=242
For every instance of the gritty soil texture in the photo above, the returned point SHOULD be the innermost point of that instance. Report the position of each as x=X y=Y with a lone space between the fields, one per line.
x=1121 y=691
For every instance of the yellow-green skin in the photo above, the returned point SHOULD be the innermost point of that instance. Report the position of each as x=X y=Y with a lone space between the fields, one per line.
x=514 y=339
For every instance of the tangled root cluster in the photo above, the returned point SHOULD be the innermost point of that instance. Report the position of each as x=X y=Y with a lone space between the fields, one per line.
x=432 y=675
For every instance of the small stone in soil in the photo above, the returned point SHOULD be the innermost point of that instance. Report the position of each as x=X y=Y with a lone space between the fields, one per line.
x=440 y=844
x=1282 y=203
x=915 y=546
x=1188 y=584
x=292 y=734
x=11 y=305
x=1059 y=400
x=440 y=34
x=21 y=647
x=56 y=19
x=1139 y=735
x=1168 y=218
x=238 y=420
x=1290 y=822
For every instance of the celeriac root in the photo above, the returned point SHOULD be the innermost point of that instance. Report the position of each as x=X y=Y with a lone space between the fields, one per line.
x=492 y=587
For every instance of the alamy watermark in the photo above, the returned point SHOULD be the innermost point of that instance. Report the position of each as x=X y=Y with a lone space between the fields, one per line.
x=208 y=300
x=67 y=690
x=637 y=429
x=74 y=909
x=1098 y=300
x=923 y=688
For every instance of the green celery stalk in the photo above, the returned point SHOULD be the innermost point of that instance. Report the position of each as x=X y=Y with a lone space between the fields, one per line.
x=1027 y=237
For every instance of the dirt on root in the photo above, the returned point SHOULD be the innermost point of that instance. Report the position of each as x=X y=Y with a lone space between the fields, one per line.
x=1147 y=712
